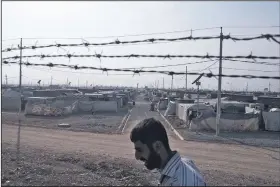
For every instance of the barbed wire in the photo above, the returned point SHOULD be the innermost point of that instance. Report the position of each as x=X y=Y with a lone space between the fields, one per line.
x=80 y=73
x=76 y=67
x=150 y=40
x=183 y=64
x=99 y=56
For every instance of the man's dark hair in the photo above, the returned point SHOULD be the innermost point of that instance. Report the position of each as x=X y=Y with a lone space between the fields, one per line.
x=148 y=131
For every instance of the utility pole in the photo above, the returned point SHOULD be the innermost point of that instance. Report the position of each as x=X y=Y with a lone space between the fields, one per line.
x=86 y=84
x=279 y=63
x=51 y=81
x=6 y=77
x=279 y=79
x=269 y=87
x=19 y=112
x=171 y=82
x=186 y=79
x=78 y=83
x=218 y=116
x=162 y=82
x=198 y=84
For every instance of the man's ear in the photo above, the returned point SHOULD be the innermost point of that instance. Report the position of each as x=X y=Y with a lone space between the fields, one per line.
x=157 y=145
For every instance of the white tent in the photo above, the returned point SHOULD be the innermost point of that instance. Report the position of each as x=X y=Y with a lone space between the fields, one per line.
x=10 y=100
x=271 y=121
x=206 y=120
x=275 y=110
x=171 y=109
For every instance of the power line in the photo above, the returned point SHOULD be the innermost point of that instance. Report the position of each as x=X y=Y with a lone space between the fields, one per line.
x=170 y=65
x=252 y=62
x=249 y=35
x=12 y=78
x=209 y=66
x=250 y=27
x=10 y=39
x=128 y=35
x=200 y=70
x=31 y=78
x=257 y=70
x=146 y=34
x=199 y=62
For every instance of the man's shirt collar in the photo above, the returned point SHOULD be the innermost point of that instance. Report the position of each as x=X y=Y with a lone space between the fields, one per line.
x=171 y=166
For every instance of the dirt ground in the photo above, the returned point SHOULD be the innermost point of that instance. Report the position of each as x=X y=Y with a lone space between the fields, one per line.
x=97 y=123
x=40 y=167
x=51 y=157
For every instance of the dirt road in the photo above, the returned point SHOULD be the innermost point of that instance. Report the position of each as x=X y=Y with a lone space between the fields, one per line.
x=228 y=158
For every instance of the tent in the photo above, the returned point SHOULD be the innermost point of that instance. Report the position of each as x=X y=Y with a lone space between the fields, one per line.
x=231 y=122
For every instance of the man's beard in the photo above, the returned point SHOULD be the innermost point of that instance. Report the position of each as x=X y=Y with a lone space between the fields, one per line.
x=153 y=162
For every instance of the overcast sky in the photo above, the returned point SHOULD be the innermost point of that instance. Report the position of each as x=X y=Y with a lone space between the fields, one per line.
x=50 y=22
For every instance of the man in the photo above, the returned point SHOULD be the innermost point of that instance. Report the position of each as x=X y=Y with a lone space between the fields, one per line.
x=152 y=106
x=152 y=147
x=190 y=117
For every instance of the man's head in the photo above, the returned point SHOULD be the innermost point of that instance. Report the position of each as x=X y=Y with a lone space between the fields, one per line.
x=150 y=142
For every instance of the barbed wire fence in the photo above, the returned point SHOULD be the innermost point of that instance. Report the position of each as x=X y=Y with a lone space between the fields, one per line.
x=268 y=37
x=18 y=60
x=100 y=56
x=172 y=73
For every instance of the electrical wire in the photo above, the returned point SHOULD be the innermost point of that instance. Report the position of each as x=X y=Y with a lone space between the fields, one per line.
x=239 y=69
x=170 y=65
x=129 y=35
x=250 y=27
